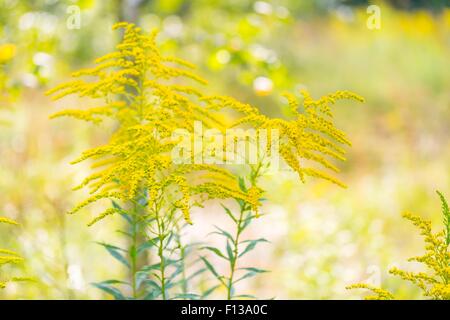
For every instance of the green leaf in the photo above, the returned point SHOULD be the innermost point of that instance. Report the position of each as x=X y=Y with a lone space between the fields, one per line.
x=169 y=262
x=189 y=296
x=251 y=245
x=252 y=272
x=168 y=240
x=157 y=276
x=211 y=269
x=169 y=284
x=114 y=281
x=152 y=283
x=116 y=205
x=247 y=221
x=245 y=296
x=122 y=212
x=229 y=213
x=177 y=271
x=110 y=290
x=140 y=276
x=142 y=201
x=216 y=251
x=195 y=274
x=146 y=245
x=230 y=253
x=242 y=204
x=114 y=252
x=247 y=275
x=192 y=245
x=132 y=252
x=124 y=233
x=242 y=184
x=446 y=213
x=210 y=291
x=224 y=233
x=153 y=294
x=155 y=266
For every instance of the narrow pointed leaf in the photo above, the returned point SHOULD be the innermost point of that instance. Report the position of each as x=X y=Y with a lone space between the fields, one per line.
x=230 y=253
x=110 y=290
x=251 y=245
x=211 y=269
x=114 y=252
x=210 y=291
x=229 y=213
x=216 y=251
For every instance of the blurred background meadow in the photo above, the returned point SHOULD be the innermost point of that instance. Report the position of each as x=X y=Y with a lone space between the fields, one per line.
x=322 y=237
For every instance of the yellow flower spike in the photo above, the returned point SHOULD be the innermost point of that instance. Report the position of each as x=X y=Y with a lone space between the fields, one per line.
x=435 y=280
x=8 y=221
x=311 y=135
x=380 y=294
x=292 y=101
x=9 y=252
x=106 y=213
x=10 y=259
x=4 y=283
x=8 y=256
x=254 y=194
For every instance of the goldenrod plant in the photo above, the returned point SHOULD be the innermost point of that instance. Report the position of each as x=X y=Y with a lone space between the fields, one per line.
x=144 y=92
x=140 y=90
x=434 y=281
x=235 y=246
x=173 y=213
x=310 y=136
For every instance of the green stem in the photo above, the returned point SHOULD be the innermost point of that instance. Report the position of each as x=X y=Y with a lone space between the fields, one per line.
x=133 y=257
x=162 y=265
x=243 y=208
x=184 y=285
x=235 y=253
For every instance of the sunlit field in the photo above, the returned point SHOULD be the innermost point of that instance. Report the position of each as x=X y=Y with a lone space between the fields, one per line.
x=309 y=235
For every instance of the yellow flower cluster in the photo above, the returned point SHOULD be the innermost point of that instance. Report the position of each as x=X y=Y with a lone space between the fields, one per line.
x=436 y=282
x=7 y=52
x=141 y=90
x=8 y=256
x=310 y=136
x=379 y=294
